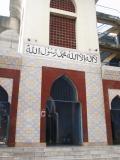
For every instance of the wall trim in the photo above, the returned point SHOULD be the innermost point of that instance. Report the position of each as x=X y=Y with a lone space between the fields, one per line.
x=15 y=75
x=109 y=84
x=78 y=78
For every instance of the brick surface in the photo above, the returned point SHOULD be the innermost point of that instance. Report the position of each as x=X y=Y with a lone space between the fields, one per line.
x=62 y=32
x=66 y=5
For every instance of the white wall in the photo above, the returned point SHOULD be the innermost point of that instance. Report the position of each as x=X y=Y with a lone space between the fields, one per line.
x=36 y=23
x=86 y=25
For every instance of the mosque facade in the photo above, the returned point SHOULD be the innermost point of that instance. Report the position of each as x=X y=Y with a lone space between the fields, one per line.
x=53 y=88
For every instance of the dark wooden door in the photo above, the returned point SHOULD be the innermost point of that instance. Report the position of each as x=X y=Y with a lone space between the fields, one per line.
x=4 y=121
x=64 y=125
x=49 y=75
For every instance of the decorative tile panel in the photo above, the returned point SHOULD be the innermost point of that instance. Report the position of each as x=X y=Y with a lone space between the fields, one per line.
x=28 y=121
x=95 y=108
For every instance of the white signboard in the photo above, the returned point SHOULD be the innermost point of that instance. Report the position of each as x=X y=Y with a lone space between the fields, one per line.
x=60 y=53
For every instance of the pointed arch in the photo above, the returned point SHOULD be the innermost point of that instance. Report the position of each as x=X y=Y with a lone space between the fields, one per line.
x=66 y=5
x=49 y=76
x=64 y=89
x=3 y=94
x=109 y=84
x=15 y=76
x=115 y=104
x=63 y=118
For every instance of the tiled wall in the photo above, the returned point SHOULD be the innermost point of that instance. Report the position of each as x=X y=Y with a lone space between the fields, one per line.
x=10 y=62
x=95 y=108
x=111 y=73
x=28 y=118
x=29 y=103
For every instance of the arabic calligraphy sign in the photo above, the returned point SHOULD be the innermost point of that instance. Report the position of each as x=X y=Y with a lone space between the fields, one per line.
x=61 y=54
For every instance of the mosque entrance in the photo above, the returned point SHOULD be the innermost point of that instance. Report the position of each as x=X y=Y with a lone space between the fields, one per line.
x=115 y=119
x=4 y=116
x=63 y=114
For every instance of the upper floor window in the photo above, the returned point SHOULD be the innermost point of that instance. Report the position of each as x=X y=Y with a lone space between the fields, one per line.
x=62 y=27
x=66 y=5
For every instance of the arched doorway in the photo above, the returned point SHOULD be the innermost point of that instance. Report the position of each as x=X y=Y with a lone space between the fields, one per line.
x=63 y=114
x=115 y=119
x=4 y=116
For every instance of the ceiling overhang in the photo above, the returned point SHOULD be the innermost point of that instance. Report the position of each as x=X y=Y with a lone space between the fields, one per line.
x=96 y=1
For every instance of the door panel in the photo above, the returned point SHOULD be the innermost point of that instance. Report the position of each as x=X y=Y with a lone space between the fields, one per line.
x=65 y=122
x=49 y=75
x=115 y=118
x=64 y=126
x=77 y=125
x=4 y=122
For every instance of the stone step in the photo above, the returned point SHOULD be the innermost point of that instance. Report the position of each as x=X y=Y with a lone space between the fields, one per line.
x=61 y=153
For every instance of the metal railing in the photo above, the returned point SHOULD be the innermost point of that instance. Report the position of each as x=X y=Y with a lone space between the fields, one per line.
x=108 y=10
x=111 y=64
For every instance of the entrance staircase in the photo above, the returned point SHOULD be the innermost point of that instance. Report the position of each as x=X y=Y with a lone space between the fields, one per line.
x=61 y=153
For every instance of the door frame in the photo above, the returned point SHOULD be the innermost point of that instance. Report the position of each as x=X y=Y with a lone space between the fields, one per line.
x=109 y=84
x=15 y=75
x=49 y=75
